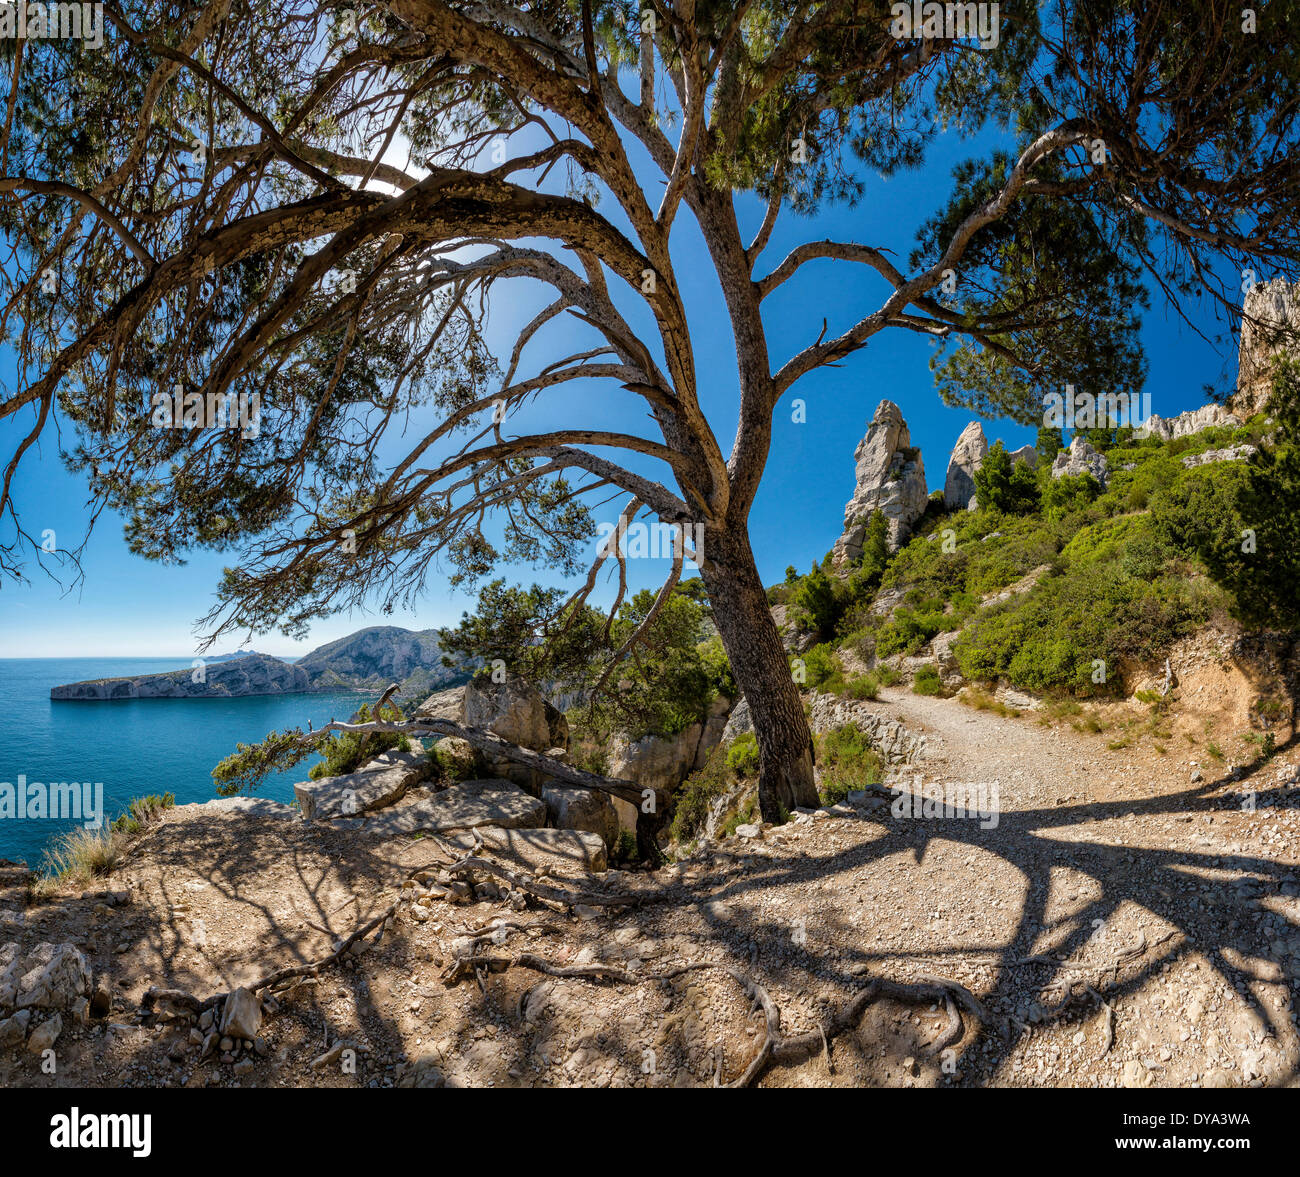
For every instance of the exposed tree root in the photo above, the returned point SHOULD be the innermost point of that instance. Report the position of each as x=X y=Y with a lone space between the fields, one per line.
x=775 y=1046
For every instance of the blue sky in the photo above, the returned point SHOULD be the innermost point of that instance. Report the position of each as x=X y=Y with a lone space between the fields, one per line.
x=129 y=607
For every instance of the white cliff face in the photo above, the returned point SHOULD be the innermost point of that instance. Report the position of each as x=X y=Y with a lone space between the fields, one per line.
x=890 y=479
x=967 y=457
x=1270 y=324
x=1193 y=421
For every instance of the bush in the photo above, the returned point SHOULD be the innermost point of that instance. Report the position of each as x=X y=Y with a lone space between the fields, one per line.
x=864 y=687
x=822 y=670
x=815 y=604
x=742 y=755
x=692 y=801
x=848 y=762
x=927 y=681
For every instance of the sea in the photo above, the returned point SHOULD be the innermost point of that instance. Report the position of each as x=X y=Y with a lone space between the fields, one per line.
x=136 y=746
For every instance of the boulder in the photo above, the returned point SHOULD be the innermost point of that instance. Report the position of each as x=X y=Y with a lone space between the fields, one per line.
x=46 y=1034
x=361 y=791
x=461 y=806
x=241 y=1015
x=519 y=713
x=13 y=1031
x=890 y=479
x=739 y=722
x=967 y=456
x=652 y=762
x=572 y=808
x=566 y=850
x=1081 y=458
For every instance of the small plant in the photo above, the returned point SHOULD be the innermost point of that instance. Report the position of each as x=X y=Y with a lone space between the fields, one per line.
x=348 y=751
x=983 y=701
x=1214 y=750
x=864 y=686
x=143 y=811
x=848 y=763
x=887 y=676
x=926 y=681
x=625 y=849
x=742 y=755
x=80 y=856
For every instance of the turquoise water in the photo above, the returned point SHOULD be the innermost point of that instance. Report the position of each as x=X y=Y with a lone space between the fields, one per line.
x=136 y=746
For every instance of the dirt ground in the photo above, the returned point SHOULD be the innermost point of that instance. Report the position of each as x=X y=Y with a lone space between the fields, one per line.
x=1131 y=917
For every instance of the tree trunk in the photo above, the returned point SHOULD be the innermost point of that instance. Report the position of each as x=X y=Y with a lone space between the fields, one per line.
x=762 y=671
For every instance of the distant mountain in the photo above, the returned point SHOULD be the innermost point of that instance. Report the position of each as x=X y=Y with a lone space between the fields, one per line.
x=369 y=659
x=255 y=674
x=380 y=655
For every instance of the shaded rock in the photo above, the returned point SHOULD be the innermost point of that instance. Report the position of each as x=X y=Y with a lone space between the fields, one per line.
x=738 y=723
x=967 y=457
x=570 y=808
x=46 y=1034
x=241 y=1015
x=13 y=1030
x=890 y=479
x=516 y=711
x=361 y=791
x=461 y=806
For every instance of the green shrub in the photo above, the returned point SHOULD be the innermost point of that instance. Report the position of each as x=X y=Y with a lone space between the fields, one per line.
x=692 y=801
x=926 y=681
x=822 y=670
x=848 y=762
x=865 y=686
x=742 y=755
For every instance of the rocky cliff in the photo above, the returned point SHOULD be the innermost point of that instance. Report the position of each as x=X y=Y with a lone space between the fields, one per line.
x=1270 y=324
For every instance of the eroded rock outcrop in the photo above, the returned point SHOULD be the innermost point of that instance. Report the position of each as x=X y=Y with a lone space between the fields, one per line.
x=1081 y=458
x=967 y=456
x=890 y=479
x=1193 y=421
